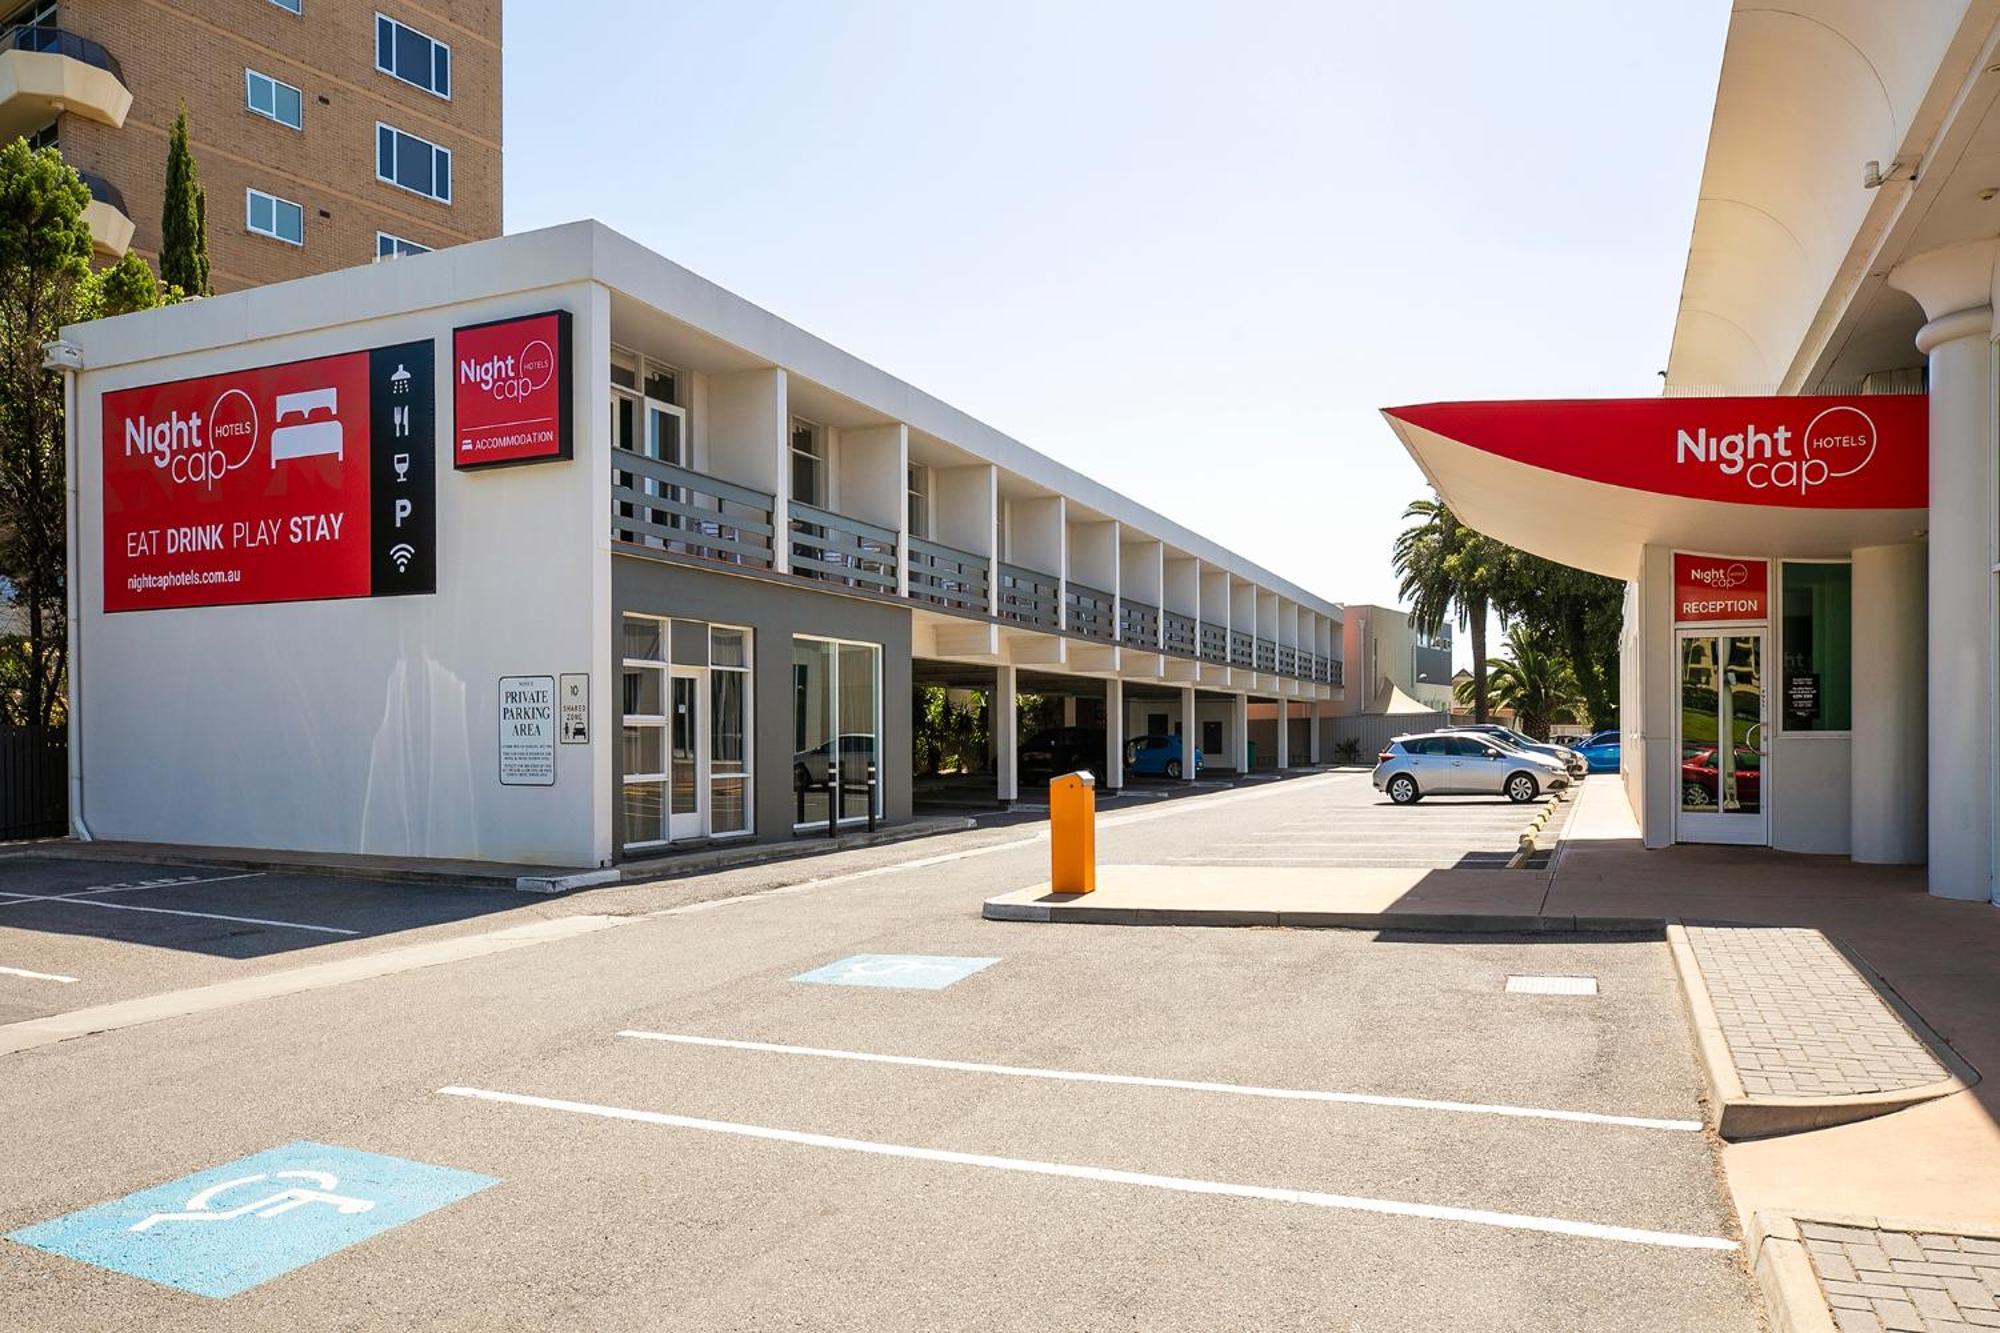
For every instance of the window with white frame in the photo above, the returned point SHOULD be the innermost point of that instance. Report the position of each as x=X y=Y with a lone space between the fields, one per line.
x=274 y=99
x=729 y=730
x=644 y=684
x=836 y=728
x=808 y=463
x=404 y=53
x=280 y=219
x=37 y=14
x=411 y=163
x=388 y=246
x=920 y=501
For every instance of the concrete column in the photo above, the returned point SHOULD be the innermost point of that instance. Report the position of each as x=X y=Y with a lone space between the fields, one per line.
x=1239 y=733
x=1006 y=735
x=1312 y=732
x=1190 y=733
x=1069 y=710
x=1888 y=777
x=1284 y=733
x=1113 y=776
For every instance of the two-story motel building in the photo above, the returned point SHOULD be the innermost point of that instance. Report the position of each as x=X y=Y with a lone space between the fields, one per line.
x=1811 y=640
x=543 y=549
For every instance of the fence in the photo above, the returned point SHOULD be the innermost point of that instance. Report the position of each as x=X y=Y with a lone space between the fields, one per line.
x=1372 y=731
x=34 y=782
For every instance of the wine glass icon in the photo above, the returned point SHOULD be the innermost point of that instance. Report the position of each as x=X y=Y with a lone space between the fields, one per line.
x=402 y=462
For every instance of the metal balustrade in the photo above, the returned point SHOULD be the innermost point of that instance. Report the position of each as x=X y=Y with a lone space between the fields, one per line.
x=834 y=548
x=1178 y=634
x=666 y=508
x=1267 y=655
x=1092 y=612
x=1027 y=597
x=945 y=576
x=47 y=40
x=1242 y=648
x=1288 y=661
x=1138 y=624
x=1214 y=643
x=1335 y=674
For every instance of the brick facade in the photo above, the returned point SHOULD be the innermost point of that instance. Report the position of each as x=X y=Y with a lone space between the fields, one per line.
x=198 y=50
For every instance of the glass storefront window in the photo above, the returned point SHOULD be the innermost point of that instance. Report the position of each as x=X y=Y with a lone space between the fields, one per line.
x=836 y=726
x=729 y=730
x=1816 y=692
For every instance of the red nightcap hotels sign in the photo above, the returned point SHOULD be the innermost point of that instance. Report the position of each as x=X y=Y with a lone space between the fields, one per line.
x=1720 y=587
x=1869 y=452
x=511 y=391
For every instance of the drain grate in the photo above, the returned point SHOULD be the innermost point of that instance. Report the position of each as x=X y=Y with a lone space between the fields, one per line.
x=1552 y=985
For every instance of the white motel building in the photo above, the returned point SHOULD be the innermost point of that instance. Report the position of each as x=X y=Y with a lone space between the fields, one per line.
x=545 y=550
x=1807 y=519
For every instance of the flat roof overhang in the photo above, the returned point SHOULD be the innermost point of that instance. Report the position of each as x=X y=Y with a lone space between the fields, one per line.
x=1591 y=523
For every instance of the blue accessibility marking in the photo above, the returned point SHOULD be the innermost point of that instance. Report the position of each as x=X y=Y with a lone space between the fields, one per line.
x=909 y=971
x=227 y=1229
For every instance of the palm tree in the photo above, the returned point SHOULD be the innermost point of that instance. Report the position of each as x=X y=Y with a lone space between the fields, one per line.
x=1534 y=683
x=1449 y=571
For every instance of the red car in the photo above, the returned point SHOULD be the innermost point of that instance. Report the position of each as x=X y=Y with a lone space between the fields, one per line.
x=1698 y=777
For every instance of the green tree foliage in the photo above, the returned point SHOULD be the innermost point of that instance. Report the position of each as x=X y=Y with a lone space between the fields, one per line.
x=1533 y=681
x=184 y=217
x=1579 y=616
x=1448 y=571
x=45 y=283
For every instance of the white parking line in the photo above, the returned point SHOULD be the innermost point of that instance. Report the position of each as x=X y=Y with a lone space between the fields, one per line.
x=133 y=887
x=1182 y=1184
x=1186 y=1085
x=175 y=911
x=35 y=976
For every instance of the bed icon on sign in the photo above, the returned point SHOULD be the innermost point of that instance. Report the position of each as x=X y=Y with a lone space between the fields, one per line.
x=312 y=438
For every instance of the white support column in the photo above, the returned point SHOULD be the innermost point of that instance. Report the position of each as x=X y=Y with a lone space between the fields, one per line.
x=1239 y=734
x=1190 y=733
x=1113 y=776
x=1955 y=288
x=1284 y=733
x=1312 y=732
x=1006 y=735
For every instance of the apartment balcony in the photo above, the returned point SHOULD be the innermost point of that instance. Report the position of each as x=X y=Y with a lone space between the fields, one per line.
x=676 y=511
x=950 y=578
x=1092 y=613
x=1288 y=661
x=1242 y=648
x=1179 y=634
x=1215 y=643
x=1029 y=597
x=110 y=221
x=1138 y=624
x=46 y=72
x=834 y=548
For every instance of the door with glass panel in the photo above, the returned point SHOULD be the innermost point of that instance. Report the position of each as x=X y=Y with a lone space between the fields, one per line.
x=1723 y=739
x=687 y=784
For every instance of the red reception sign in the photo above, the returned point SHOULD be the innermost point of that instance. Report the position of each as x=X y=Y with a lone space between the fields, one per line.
x=1720 y=587
x=511 y=391
x=1868 y=452
x=285 y=483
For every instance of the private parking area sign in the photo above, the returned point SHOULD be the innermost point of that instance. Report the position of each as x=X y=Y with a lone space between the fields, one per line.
x=229 y=1228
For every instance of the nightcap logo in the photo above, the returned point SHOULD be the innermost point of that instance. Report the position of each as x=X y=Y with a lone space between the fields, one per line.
x=513 y=378
x=1839 y=442
x=194 y=451
x=1733 y=575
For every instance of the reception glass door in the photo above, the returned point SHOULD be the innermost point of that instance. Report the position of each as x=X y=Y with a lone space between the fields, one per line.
x=1722 y=738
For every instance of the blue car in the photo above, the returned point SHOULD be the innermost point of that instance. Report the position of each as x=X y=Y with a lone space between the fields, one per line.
x=1156 y=756
x=1600 y=752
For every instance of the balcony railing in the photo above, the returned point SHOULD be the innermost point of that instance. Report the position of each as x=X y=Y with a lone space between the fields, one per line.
x=1092 y=612
x=1288 y=661
x=1138 y=624
x=1334 y=672
x=948 y=577
x=834 y=548
x=60 y=42
x=1214 y=643
x=1028 y=598
x=104 y=191
x=1267 y=655
x=1179 y=635
x=1242 y=648
x=668 y=508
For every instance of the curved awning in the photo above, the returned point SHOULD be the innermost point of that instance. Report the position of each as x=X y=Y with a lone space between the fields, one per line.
x=1593 y=482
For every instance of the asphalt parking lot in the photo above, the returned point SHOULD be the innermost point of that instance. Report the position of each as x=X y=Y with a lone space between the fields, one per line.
x=716 y=1117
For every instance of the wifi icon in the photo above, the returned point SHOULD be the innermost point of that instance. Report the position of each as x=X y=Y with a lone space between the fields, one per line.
x=402 y=553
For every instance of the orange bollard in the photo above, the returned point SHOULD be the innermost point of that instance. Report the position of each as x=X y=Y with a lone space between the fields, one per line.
x=1073 y=833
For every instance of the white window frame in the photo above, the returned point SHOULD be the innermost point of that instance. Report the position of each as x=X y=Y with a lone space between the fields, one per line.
x=252 y=194
x=917 y=501
x=650 y=721
x=833 y=687
x=822 y=469
x=250 y=77
x=389 y=179
x=400 y=246
x=450 y=57
x=748 y=769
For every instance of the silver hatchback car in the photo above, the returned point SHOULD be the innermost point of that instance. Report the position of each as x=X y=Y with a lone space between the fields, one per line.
x=1447 y=763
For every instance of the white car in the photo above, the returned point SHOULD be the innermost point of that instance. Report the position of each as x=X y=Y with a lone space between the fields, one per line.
x=1462 y=763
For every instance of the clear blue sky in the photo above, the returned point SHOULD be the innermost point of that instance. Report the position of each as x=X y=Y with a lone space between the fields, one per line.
x=1186 y=248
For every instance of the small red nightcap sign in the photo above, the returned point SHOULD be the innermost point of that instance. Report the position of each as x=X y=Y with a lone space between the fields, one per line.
x=1720 y=587
x=511 y=394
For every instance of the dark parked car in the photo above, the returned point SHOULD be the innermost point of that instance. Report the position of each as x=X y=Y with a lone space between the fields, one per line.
x=1064 y=750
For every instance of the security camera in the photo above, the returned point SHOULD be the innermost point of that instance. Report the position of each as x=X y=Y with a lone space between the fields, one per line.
x=62 y=355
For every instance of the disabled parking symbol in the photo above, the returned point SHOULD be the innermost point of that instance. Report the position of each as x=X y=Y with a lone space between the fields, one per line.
x=907 y=971
x=229 y=1228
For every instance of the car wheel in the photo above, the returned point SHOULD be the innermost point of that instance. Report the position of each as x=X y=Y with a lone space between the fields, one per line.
x=1403 y=789
x=1173 y=768
x=1694 y=796
x=1521 y=788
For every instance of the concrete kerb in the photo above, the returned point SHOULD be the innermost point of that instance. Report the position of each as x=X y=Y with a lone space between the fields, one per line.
x=1776 y=1252
x=1736 y=1114
x=1530 y=836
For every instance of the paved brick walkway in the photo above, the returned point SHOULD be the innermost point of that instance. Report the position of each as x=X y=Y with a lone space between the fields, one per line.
x=1800 y=1021
x=1916 y=1281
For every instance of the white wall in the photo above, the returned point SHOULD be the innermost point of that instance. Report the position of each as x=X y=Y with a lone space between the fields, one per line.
x=367 y=725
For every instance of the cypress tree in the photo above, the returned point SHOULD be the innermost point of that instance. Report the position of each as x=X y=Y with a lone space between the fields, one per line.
x=184 y=217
